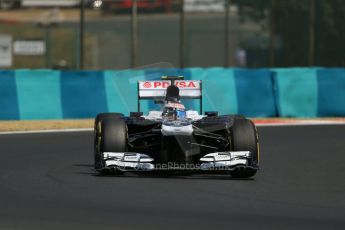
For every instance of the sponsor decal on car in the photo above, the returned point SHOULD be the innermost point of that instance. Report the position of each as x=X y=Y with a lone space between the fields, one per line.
x=131 y=158
x=165 y=84
x=188 y=88
x=147 y=85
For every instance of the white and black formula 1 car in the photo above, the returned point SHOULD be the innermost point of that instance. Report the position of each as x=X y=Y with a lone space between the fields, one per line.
x=175 y=139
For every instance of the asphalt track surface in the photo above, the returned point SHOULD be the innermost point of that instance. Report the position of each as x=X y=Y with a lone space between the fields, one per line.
x=47 y=182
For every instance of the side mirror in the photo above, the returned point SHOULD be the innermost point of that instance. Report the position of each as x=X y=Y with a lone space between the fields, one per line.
x=136 y=114
x=211 y=113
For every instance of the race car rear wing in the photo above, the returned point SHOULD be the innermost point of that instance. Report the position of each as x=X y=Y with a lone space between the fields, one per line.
x=156 y=90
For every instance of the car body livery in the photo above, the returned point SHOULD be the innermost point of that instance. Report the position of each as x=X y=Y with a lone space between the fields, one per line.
x=175 y=139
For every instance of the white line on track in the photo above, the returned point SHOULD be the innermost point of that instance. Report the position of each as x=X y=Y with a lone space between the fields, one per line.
x=299 y=124
x=47 y=131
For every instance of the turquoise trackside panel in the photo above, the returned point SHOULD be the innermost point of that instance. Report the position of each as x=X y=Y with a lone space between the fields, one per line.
x=48 y=94
x=219 y=91
x=9 y=108
x=296 y=92
x=331 y=98
x=39 y=94
x=82 y=94
x=122 y=90
x=255 y=93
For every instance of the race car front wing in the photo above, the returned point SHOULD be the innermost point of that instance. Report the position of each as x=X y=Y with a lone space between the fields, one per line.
x=129 y=161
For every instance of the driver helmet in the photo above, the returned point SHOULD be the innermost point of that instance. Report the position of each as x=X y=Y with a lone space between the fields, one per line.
x=174 y=111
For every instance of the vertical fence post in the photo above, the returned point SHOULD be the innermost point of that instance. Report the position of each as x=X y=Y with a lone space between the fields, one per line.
x=182 y=34
x=311 y=32
x=226 y=33
x=48 y=46
x=81 y=35
x=134 y=34
x=272 y=33
x=77 y=49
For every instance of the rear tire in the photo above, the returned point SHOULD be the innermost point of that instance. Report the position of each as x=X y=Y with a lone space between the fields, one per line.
x=244 y=138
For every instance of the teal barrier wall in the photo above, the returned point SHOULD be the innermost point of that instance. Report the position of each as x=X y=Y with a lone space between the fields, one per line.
x=310 y=92
x=39 y=94
x=296 y=92
x=331 y=92
x=290 y=92
x=9 y=108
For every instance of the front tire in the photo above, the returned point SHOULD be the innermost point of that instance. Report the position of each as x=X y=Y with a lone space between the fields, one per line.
x=114 y=135
x=103 y=116
x=97 y=132
x=244 y=138
x=111 y=137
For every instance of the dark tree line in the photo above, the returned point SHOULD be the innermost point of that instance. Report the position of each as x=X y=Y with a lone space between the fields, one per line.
x=292 y=25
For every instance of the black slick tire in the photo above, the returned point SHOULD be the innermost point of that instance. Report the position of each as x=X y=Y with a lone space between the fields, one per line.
x=244 y=138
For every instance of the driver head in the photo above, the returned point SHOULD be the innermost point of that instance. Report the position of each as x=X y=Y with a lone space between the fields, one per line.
x=173 y=93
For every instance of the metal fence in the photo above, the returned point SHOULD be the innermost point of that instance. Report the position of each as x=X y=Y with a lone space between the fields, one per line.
x=186 y=33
